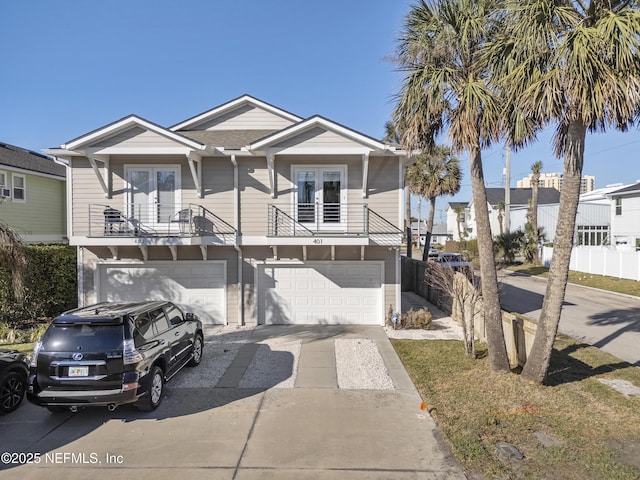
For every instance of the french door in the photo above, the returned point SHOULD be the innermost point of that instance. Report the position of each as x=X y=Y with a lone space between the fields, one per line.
x=153 y=193
x=320 y=198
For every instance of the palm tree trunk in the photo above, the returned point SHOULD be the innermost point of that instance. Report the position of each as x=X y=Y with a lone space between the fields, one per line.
x=427 y=237
x=534 y=219
x=491 y=301
x=538 y=361
x=407 y=215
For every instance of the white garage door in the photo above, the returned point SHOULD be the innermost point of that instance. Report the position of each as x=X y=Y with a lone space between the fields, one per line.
x=323 y=293
x=197 y=287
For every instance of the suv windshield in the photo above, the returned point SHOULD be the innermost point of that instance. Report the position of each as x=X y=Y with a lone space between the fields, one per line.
x=92 y=338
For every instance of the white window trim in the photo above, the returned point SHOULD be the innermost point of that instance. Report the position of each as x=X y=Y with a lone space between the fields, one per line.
x=344 y=189
x=24 y=188
x=128 y=167
x=5 y=184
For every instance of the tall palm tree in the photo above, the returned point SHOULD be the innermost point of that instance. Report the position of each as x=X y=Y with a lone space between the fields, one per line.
x=435 y=173
x=501 y=208
x=392 y=135
x=573 y=64
x=445 y=87
x=13 y=257
x=459 y=209
x=536 y=168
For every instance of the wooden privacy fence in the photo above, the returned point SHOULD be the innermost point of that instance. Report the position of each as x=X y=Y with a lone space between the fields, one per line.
x=519 y=331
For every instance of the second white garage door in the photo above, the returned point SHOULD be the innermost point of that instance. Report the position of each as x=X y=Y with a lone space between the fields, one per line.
x=197 y=287
x=321 y=293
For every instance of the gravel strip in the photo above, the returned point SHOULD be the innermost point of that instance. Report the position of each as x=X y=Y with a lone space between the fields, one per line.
x=360 y=366
x=275 y=365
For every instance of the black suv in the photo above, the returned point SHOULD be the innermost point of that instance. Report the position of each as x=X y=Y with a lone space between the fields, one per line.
x=13 y=379
x=109 y=354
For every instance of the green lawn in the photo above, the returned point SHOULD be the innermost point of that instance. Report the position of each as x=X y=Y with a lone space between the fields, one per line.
x=597 y=428
x=619 y=285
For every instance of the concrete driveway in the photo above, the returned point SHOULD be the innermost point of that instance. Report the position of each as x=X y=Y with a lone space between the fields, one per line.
x=271 y=402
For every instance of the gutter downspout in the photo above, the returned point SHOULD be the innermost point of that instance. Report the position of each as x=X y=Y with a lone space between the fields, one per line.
x=238 y=248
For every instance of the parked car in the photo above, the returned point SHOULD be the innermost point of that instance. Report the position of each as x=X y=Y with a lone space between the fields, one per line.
x=13 y=379
x=455 y=261
x=109 y=354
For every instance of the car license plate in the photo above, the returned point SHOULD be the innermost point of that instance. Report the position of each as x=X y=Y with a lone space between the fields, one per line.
x=78 y=371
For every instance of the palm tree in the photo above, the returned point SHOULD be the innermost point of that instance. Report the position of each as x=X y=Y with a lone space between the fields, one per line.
x=573 y=64
x=501 y=208
x=459 y=209
x=536 y=168
x=445 y=85
x=13 y=257
x=392 y=135
x=435 y=173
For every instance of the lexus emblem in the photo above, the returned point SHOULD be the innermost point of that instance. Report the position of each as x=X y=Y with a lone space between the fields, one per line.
x=77 y=356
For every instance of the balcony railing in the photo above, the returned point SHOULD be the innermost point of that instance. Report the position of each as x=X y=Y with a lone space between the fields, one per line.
x=158 y=220
x=316 y=219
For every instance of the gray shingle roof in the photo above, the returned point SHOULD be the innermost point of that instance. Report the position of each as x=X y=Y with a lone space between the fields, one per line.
x=17 y=157
x=229 y=139
x=630 y=188
x=521 y=196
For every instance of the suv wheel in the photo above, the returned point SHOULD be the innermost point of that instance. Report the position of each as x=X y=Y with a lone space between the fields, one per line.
x=12 y=388
x=198 y=345
x=154 y=396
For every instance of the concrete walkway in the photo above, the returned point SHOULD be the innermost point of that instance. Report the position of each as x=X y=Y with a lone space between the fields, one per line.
x=309 y=428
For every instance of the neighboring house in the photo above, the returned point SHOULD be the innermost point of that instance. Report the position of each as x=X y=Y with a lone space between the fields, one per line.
x=592 y=219
x=520 y=200
x=246 y=213
x=625 y=217
x=32 y=195
x=452 y=220
x=439 y=234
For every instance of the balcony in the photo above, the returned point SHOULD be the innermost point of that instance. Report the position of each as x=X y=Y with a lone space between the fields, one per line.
x=353 y=223
x=149 y=222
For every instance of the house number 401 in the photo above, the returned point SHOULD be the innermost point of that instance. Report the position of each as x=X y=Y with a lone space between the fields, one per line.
x=317 y=241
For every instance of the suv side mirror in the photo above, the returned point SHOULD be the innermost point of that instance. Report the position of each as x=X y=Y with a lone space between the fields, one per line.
x=190 y=317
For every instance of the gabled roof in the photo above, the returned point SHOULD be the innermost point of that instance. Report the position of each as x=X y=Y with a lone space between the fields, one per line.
x=124 y=124
x=626 y=190
x=17 y=157
x=317 y=121
x=454 y=205
x=231 y=105
x=521 y=196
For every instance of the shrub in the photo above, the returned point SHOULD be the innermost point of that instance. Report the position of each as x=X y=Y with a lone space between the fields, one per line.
x=50 y=286
x=416 y=319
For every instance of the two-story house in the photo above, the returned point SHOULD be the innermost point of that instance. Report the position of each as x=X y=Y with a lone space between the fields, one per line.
x=625 y=217
x=246 y=213
x=32 y=195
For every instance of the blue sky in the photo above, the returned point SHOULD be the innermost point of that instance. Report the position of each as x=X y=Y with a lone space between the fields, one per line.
x=71 y=66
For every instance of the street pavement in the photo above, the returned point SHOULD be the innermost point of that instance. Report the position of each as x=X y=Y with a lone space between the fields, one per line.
x=301 y=426
x=606 y=320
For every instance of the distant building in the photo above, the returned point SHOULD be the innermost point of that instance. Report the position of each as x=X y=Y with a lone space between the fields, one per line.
x=554 y=180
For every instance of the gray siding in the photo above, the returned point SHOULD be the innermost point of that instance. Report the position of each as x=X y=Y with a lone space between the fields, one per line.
x=217 y=178
x=246 y=117
x=255 y=196
x=318 y=137
x=384 y=188
x=136 y=137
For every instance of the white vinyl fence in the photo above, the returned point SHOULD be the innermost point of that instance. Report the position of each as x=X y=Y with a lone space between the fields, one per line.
x=600 y=261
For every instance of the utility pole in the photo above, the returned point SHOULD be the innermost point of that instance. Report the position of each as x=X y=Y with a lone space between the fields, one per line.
x=507 y=189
